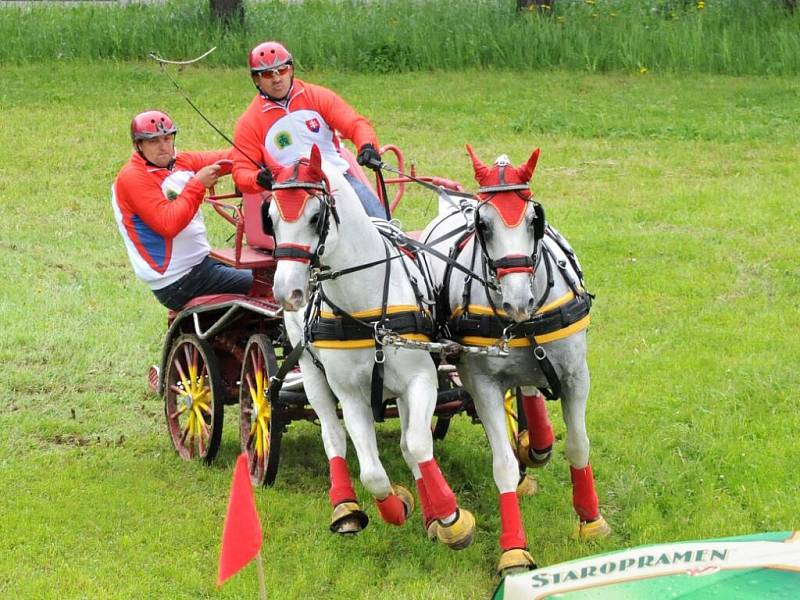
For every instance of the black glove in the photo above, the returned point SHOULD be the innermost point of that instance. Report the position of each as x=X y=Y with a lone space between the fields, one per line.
x=369 y=157
x=264 y=179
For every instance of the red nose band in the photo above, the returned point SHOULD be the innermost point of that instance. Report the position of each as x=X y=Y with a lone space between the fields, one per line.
x=503 y=272
x=513 y=263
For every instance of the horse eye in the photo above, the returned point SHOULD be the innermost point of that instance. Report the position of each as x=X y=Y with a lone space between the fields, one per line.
x=314 y=220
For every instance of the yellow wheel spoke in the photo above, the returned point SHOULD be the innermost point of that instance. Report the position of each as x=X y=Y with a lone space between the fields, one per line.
x=512 y=424
x=259 y=444
x=200 y=423
x=260 y=383
x=184 y=379
x=202 y=406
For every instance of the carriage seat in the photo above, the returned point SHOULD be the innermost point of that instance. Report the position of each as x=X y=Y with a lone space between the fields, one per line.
x=254 y=247
x=249 y=258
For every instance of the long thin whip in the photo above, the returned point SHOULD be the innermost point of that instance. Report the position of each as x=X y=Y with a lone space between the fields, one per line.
x=163 y=62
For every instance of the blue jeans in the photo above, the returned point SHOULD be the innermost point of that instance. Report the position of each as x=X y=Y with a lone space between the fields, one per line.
x=209 y=277
x=368 y=199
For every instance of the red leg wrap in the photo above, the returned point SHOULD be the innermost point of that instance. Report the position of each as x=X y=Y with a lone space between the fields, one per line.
x=584 y=498
x=540 y=431
x=341 y=486
x=442 y=500
x=392 y=509
x=513 y=533
x=425 y=502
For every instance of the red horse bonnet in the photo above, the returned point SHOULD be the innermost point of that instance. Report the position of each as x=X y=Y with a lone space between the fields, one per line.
x=294 y=183
x=504 y=186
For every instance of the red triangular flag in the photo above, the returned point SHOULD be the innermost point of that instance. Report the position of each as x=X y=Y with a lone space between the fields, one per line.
x=241 y=536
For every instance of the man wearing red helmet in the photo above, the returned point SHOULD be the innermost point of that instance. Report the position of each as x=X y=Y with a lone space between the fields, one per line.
x=288 y=116
x=156 y=199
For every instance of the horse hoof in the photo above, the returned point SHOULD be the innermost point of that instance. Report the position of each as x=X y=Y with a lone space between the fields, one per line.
x=528 y=486
x=348 y=518
x=458 y=535
x=515 y=560
x=433 y=530
x=531 y=457
x=406 y=497
x=591 y=530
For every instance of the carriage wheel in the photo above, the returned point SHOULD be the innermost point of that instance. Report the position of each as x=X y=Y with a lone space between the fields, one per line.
x=512 y=410
x=515 y=416
x=260 y=431
x=193 y=398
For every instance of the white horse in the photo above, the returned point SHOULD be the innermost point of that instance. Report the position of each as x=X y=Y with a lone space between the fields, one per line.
x=318 y=221
x=539 y=305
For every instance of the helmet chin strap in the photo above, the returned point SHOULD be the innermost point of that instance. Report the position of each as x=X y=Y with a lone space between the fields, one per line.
x=152 y=164
x=268 y=97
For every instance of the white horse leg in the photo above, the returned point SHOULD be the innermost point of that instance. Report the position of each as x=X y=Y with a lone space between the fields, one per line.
x=394 y=503
x=456 y=527
x=574 y=394
x=408 y=457
x=347 y=515
x=428 y=519
x=488 y=399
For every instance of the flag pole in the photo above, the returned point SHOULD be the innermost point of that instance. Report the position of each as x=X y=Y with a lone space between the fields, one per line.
x=262 y=583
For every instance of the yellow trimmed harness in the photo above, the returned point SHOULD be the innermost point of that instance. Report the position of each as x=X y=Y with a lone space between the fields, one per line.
x=519 y=342
x=400 y=316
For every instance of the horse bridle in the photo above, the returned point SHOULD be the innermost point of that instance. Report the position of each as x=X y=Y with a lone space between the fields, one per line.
x=297 y=252
x=512 y=263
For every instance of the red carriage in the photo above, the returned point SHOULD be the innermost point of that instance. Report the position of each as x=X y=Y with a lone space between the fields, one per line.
x=223 y=349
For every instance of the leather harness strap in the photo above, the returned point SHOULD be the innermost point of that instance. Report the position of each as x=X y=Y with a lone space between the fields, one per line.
x=567 y=317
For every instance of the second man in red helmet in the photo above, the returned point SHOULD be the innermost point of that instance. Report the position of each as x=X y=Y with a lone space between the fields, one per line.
x=288 y=116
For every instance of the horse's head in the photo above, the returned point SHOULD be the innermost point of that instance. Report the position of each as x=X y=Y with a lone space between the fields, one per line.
x=300 y=220
x=509 y=224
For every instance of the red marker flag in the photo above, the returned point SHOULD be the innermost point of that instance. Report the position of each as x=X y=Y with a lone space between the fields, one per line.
x=241 y=536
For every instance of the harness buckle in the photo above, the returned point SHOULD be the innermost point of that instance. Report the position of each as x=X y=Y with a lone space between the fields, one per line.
x=380 y=356
x=468 y=210
x=539 y=353
x=317 y=275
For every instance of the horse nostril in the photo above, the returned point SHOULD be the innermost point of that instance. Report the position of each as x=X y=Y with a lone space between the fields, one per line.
x=507 y=308
x=530 y=305
x=296 y=295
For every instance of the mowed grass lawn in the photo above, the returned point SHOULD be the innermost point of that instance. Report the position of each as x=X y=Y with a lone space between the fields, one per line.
x=680 y=195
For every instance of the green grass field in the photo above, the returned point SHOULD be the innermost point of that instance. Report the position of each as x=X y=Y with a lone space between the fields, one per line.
x=733 y=37
x=680 y=196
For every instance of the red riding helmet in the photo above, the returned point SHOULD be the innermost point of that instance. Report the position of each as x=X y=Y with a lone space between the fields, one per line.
x=151 y=124
x=269 y=55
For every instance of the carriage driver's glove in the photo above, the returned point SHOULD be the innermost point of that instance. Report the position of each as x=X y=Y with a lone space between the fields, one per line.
x=264 y=179
x=369 y=157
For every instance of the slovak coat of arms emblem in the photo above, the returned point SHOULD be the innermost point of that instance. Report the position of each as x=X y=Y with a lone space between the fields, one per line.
x=313 y=125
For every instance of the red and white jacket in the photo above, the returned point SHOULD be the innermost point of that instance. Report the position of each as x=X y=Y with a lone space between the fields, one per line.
x=286 y=131
x=157 y=214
